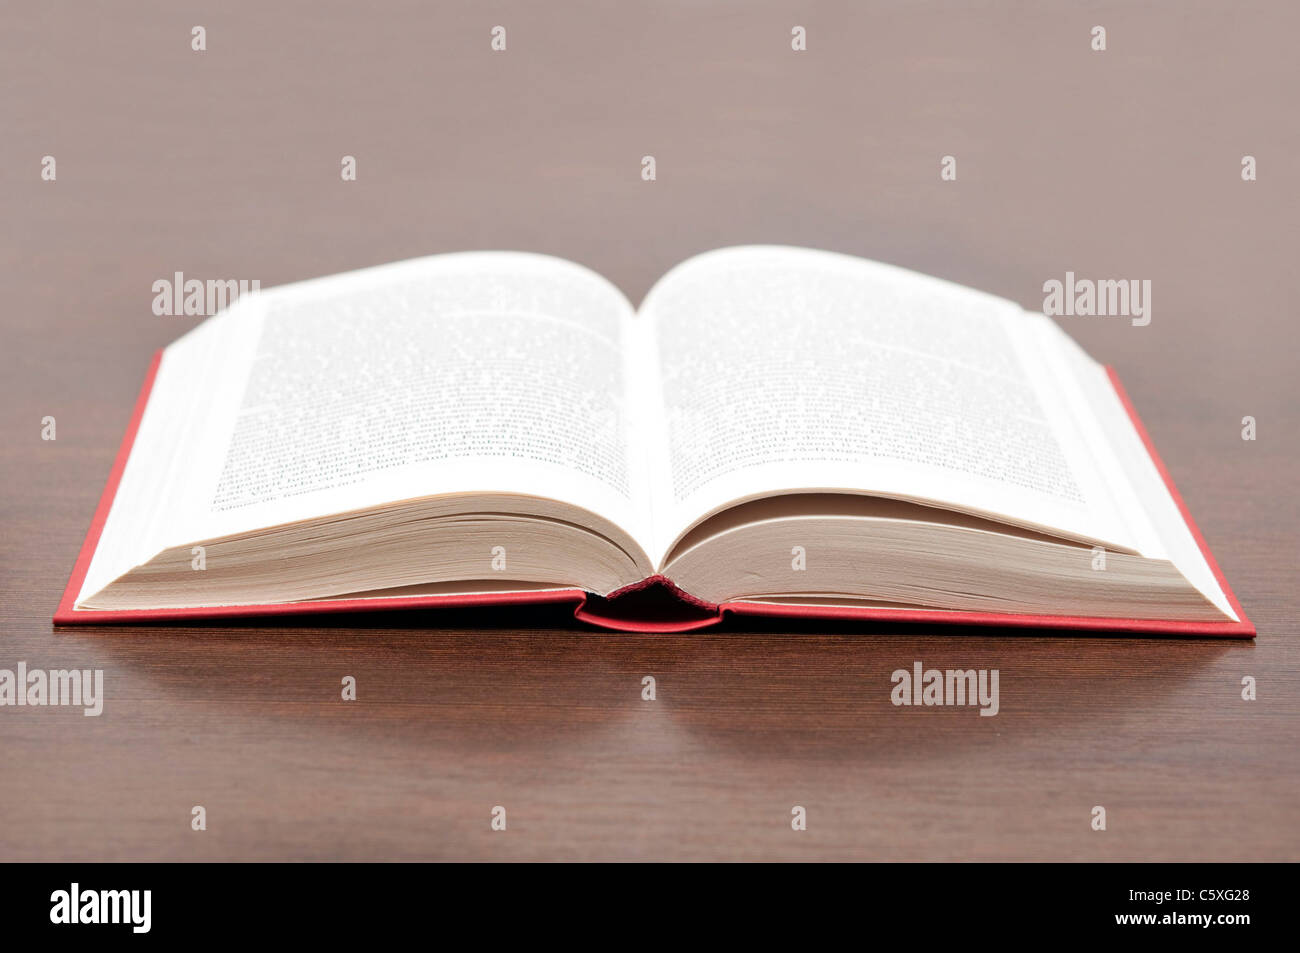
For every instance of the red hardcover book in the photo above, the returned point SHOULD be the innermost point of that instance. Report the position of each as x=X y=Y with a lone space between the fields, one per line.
x=269 y=504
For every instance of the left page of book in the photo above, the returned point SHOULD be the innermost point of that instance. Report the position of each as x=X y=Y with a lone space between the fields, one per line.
x=474 y=373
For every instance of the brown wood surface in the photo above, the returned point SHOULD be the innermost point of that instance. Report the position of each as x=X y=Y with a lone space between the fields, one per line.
x=226 y=163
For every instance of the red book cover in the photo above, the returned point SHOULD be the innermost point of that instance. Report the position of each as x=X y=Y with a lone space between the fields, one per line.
x=652 y=605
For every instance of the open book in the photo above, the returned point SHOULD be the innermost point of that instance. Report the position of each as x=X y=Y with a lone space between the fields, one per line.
x=775 y=431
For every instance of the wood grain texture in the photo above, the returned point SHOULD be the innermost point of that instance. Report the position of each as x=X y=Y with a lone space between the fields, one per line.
x=226 y=164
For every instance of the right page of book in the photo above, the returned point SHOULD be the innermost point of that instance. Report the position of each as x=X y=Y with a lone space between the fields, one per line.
x=787 y=370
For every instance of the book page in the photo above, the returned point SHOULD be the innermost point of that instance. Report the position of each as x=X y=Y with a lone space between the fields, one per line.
x=786 y=370
x=1149 y=509
x=467 y=373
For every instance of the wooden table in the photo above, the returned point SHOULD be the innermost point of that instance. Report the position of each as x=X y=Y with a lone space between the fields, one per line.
x=226 y=163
